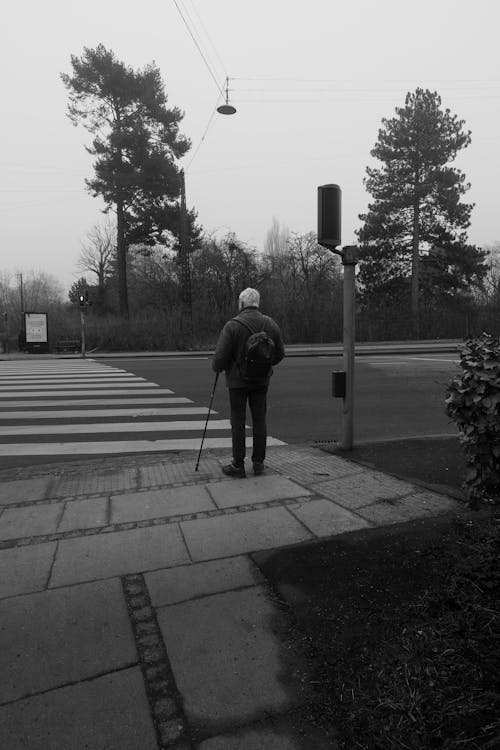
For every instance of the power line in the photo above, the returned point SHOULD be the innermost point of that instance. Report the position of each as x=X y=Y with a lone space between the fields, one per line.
x=193 y=4
x=204 y=134
x=198 y=46
x=363 y=80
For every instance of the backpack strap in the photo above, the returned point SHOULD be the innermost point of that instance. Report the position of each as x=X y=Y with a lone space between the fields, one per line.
x=249 y=327
x=245 y=324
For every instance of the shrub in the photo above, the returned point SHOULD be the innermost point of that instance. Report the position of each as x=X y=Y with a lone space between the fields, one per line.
x=473 y=403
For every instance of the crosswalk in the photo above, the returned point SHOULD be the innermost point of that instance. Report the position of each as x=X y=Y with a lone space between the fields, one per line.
x=86 y=408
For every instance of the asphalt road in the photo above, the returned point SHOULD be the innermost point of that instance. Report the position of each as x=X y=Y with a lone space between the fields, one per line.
x=395 y=395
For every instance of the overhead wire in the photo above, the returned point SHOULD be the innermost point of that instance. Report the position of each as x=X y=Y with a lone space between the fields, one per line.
x=204 y=135
x=261 y=89
x=193 y=4
x=495 y=81
x=191 y=34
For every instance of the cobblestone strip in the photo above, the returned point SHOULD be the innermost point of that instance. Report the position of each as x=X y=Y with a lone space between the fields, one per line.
x=164 y=699
x=84 y=467
x=162 y=521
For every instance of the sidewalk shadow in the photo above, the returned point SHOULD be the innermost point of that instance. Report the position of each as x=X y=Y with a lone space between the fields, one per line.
x=435 y=462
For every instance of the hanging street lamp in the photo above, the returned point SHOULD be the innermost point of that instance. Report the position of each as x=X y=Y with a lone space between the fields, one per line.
x=226 y=109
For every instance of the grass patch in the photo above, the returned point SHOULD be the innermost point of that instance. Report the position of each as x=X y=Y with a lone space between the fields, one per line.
x=394 y=669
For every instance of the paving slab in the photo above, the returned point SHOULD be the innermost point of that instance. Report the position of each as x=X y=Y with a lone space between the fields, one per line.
x=53 y=638
x=24 y=490
x=25 y=569
x=118 y=553
x=32 y=520
x=325 y=518
x=364 y=488
x=261 y=489
x=238 y=533
x=306 y=466
x=418 y=505
x=276 y=734
x=138 y=506
x=200 y=579
x=106 y=713
x=228 y=664
x=383 y=514
x=427 y=504
x=84 y=514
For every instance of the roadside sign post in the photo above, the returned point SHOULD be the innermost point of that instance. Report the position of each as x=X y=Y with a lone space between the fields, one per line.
x=36 y=333
x=329 y=235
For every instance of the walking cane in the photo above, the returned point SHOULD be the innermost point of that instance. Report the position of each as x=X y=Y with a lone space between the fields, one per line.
x=208 y=417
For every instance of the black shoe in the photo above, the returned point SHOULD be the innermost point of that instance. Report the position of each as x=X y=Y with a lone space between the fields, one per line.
x=234 y=471
x=258 y=468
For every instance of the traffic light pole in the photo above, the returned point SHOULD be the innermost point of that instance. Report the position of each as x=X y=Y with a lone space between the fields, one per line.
x=349 y=261
x=329 y=235
x=82 y=329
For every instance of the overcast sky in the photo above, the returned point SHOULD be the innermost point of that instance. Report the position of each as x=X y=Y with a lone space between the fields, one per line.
x=311 y=82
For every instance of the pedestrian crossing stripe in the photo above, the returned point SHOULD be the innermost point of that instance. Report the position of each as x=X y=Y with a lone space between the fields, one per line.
x=36 y=400
x=168 y=411
x=84 y=402
x=70 y=384
x=43 y=379
x=40 y=369
x=112 y=427
x=120 y=446
x=93 y=392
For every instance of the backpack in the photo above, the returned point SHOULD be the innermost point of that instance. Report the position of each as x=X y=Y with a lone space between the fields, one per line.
x=258 y=354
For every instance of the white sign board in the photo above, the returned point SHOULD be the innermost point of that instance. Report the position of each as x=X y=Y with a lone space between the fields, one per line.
x=36 y=328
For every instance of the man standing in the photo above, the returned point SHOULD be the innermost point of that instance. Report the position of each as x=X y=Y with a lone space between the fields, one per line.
x=237 y=352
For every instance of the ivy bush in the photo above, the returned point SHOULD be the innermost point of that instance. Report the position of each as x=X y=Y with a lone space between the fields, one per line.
x=473 y=403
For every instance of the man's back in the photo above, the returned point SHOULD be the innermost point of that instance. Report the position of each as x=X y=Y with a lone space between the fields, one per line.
x=232 y=341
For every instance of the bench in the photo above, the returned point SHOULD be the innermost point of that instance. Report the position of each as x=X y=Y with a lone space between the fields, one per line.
x=68 y=345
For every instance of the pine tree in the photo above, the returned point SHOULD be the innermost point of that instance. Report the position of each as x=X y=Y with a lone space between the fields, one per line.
x=417 y=217
x=136 y=142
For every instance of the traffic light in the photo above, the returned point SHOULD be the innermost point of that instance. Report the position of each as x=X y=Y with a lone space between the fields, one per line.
x=81 y=300
x=329 y=215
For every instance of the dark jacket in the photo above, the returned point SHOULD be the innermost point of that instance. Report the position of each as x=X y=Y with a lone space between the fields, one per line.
x=231 y=344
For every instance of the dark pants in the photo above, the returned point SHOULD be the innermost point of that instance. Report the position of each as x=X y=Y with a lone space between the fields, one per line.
x=256 y=398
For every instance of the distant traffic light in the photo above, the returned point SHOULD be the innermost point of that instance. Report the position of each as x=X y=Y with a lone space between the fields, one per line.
x=81 y=300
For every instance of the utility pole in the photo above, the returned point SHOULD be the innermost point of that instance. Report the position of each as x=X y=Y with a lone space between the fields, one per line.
x=184 y=256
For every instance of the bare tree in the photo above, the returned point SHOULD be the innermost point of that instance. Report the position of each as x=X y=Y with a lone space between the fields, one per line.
x=492 y=279
x=277 y=239
x=98 y=251
x=41 y=291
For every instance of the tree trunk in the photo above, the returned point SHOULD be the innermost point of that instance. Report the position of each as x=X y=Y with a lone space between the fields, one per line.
x=121 y=257
x=415 y=268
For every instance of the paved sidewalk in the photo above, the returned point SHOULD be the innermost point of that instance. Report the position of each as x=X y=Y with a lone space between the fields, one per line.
x=132 y=615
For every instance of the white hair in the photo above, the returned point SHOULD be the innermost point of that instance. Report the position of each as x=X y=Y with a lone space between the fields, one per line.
x=248 y=298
